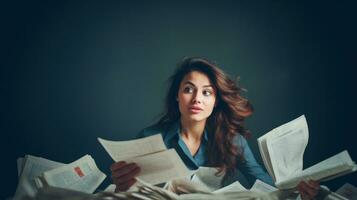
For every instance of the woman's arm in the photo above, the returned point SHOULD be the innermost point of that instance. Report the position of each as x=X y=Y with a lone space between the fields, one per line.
x=250 y=168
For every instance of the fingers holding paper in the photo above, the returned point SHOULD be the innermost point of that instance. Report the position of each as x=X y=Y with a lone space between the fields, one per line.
x=123 y=175
x=308 y=190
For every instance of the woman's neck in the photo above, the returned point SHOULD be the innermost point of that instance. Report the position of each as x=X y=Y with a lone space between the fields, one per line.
x=192 y=130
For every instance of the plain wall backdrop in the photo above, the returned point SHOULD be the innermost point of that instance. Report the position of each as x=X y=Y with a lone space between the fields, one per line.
x=72 y=71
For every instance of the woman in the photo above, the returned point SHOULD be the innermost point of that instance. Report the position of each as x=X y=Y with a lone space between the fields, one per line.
x=204 y=122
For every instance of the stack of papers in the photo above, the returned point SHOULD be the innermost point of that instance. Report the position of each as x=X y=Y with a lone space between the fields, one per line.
x=147 y=191
x=36 y=172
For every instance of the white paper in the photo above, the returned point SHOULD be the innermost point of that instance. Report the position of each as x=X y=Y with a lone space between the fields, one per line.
x=121 y=150
x=241 y=195
x=110 y=188
x=286 y=148
x=339 y=163
x=33 y=167
x=348 y=191
x=81 y=175
x=157 y=164
x=334 y=196
x=160 y=167
x=234 y=187
x=260 y=186
x=207 y=176
x=282 y=151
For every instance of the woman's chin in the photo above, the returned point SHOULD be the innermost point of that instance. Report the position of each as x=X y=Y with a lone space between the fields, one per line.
x=195 y=118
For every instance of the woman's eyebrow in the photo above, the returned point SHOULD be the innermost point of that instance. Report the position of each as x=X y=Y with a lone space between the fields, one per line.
x=190 y=83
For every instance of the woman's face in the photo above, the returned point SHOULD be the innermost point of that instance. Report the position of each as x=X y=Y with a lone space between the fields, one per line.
x=196 y=97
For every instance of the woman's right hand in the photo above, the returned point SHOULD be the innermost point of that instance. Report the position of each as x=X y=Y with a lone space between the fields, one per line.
x=123 y=175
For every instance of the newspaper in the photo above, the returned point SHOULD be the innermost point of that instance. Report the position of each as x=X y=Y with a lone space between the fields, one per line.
x=158 y=165
x=29 y=168
x=36 y=172
x=348 y=191
x=148 y=192
x=81 y=175
x=122 y=150
x=188 y=190
x=260 y=186
x=282 y=151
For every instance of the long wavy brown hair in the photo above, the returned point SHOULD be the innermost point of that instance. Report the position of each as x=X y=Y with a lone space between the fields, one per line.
x=227 y=118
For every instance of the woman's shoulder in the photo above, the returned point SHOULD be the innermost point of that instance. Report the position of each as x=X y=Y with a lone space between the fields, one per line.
x=240 y=141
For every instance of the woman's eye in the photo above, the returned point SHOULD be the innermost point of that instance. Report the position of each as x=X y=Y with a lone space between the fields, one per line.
x=207 y=93
x=188 y=90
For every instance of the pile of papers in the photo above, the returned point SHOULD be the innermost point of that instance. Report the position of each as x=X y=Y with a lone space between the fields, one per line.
x=146 y=191
x=36 y=172
x=281 y=149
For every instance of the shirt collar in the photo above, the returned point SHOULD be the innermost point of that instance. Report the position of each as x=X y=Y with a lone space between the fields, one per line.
x=175 y=130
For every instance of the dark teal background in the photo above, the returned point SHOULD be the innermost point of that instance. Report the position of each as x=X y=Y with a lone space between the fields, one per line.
x=72 y=71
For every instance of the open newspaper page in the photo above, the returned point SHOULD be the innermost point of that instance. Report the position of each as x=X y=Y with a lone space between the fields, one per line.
x=81 y=175
x=286 y=148
x=283 y=148
x=263 y=148
x=32 y=168
x=146 y=191
x=161 y=166
x=157 y=164
x=325 y=170
x=282 y=151
x=121 y=150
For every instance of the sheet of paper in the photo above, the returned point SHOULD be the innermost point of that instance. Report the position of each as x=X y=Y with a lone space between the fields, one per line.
x=207 y=176
x=286 y=148
x=160 y=167
x=341 y=173
x=339 y=159
x=55 y=193
x=264 y=153
x=234 y=187
x=121 y=150
x=33 y=167
x=260 y=186
x=348 y=191
x=110 y=188
x=339 y=163
x=244 y=195
x=154 y=189
x=334 y=196
x=185 y=185
x=81 y=175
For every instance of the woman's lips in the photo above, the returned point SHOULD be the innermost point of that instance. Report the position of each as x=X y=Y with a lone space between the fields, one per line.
x=195 y=110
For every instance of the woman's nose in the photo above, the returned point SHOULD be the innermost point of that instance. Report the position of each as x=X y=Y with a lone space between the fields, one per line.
x=197 y=98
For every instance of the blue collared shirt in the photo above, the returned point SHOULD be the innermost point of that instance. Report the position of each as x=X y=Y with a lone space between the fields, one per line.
x=172 y=139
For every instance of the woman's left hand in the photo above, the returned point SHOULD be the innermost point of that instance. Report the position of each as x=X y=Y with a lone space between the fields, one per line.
x=308 y=190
